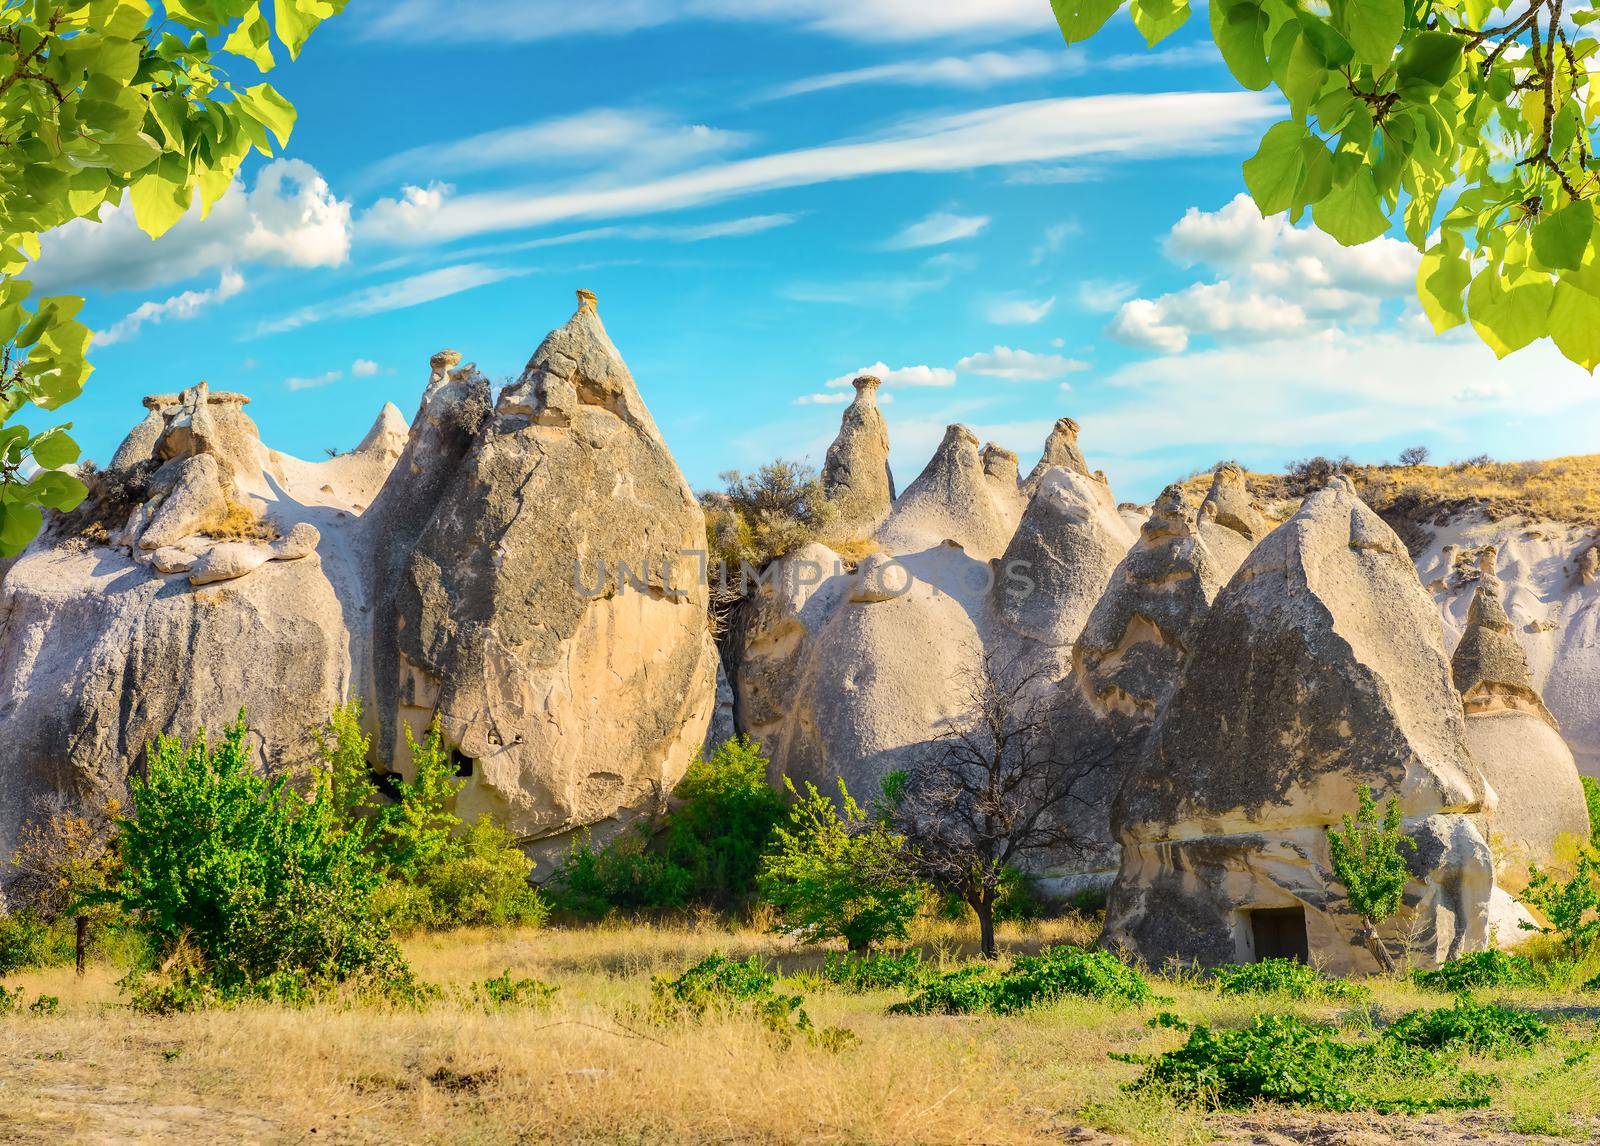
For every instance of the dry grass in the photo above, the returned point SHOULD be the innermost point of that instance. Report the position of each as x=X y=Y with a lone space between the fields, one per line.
x=583 y=1069
x=237 y=521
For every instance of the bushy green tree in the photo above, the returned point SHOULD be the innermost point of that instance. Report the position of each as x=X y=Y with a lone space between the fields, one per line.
x=101 y=99
x=1471 y=123
x=1367 y=857
x=247 y=873
x=836 y=870
x=1571 y=907
x=707 y=851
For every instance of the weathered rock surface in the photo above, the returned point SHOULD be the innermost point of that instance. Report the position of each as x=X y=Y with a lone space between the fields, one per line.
x=856 y=474
x=1319 y=669
x=1231 y=522
x=1060 y=449
x=1515 y=741
x=568 y=707
x=953 y=499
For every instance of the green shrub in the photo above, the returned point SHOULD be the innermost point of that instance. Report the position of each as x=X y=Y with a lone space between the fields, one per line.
x=1367 y=854
x=479 y=879
x=1285 y=1059
x=1030 y=981
x=1288 y=978
x=44 y=1005
x=880 y=971
x=707 y=852
x=1591 y=797
x=28 y=943
x=1570 y=906
x=839 y=875
x=503 y=991
x=1484 y=1028
x=1491 y=968
x=255 y=879
x=722 y=986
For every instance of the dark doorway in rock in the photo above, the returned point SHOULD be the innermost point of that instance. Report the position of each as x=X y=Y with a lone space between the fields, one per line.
x=1280 y=933
x=462 y=761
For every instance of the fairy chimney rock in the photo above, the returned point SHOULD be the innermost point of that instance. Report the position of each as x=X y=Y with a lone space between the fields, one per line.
x=855 y=474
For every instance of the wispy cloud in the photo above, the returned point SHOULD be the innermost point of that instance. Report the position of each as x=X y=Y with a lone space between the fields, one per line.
x=936 y=376
x=1103 y=295
x=398 y=295
x=1019 y=365
x=178 y=308
x=982 y=70
x=364 y=368
x=1103 y=128
x=513 y=21
x=891 y=293
x=311 y=383
x=937 y=229
x=1018 y=311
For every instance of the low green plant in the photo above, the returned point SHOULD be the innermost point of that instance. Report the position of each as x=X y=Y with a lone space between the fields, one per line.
x=45 y=1005
x=836 y=871
x=1570 y=907
x=623 y=875
x=503 y=991
x=1483 y=1028
x=479 y=879
x=1490 y=968
x=1591 y=797
x=27 y=942
x=879 y=971
x=1286 y=978
x=719 y=985
x=1030 y=981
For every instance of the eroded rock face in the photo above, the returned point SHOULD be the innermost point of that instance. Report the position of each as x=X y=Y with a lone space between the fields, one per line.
x=1231 y=521
x=1515 y=741
x=1060 y=449
x=953 y=499
x=1319 y=669
x=856 y=474
x=570 y=702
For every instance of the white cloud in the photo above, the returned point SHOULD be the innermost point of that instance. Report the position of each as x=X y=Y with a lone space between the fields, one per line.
x=1019 y=365
x=512 y=21
x=937 y=229
x=937 y=376
x=290 y=218
x=1019 y=311
x=629 y=143
x=1055 y=236
x=889 y=293
x=1103 y=127
x=178 y=308
x=313 y=382
x=1274 y=280
x=983 y=70
x=398 y=295
x=364 y=368
x=1104 y=295
x=834 y=399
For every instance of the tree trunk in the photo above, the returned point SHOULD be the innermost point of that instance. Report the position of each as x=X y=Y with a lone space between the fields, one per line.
x=985 y=910
x=81 y=944
x=1379 y=951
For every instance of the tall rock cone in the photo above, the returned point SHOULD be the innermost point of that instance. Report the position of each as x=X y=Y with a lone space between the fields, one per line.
x=546 y=613
x=1231 y=521
x=1060 y=449
x=1319 y=670
x=1055 y=568
x=855 y=474
x=1515 y=740
x=952 y=499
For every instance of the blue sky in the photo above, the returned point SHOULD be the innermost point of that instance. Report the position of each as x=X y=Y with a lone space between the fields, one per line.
x=769 y=197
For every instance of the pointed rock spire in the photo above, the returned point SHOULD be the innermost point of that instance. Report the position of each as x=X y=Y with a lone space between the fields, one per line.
x=1231 y=520
x=1490 y=669
x=388 y=434
x=1060 y=449
x=952 y=499
x=856 y=474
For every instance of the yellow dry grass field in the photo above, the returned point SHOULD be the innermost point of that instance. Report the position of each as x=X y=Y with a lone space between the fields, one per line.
x=586 y=1068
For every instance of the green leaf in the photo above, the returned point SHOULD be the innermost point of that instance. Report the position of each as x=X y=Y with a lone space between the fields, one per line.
x=161 y=196
x=1508 y=319
x=1442 y=280
x=1274 y=172
x=1334 y=49
x=56 y=490
x=19 y=524
x=1080 y=19
x=1575 y=325
x=263 y=104
x=1352 y=213
x=54 y=449
x=1431 y=59
x=1561 y=238
x=1158 y=19
x=1372 y=27
x=252 y=39
x=1239 y=28
x=296 y=19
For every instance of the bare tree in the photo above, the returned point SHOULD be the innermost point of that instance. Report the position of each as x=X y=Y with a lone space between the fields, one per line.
x=999 y=786
x=1414 y=456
